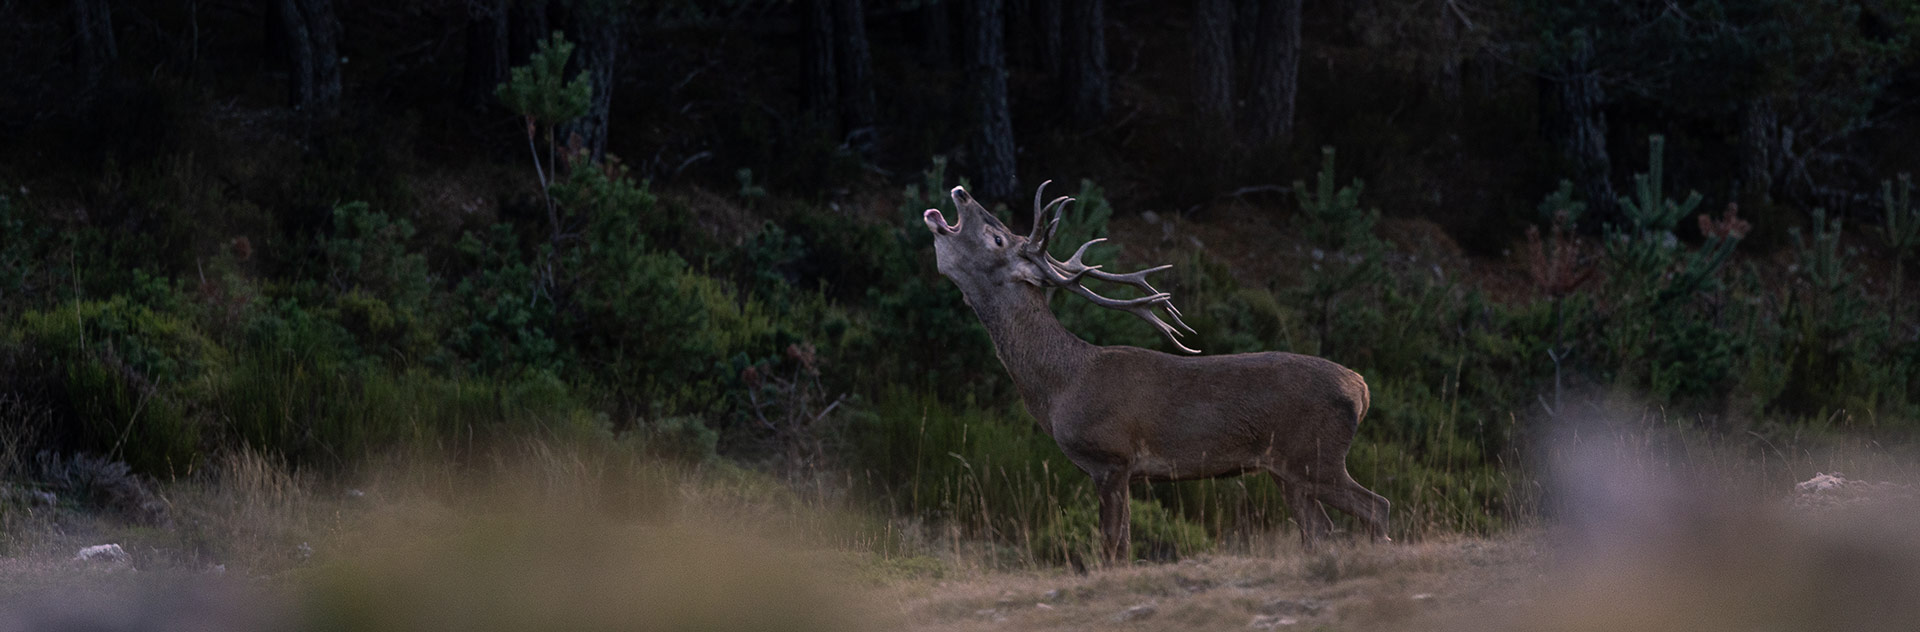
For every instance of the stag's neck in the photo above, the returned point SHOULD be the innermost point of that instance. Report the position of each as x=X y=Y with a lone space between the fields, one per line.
x=1041 y=355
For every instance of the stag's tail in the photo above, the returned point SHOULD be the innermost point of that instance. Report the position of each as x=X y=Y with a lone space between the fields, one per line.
x=1364 y=402
x=1359 y=396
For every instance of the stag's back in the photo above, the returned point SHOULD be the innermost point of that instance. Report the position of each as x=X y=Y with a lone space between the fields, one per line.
x=1224 y=409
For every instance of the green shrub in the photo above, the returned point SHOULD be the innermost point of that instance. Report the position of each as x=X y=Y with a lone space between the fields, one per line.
x=680 y=438
x=21 y=256
x=1157 y=534
x=506 y=325
x=909 y=303
x=131 y=377
x=1346 y=256
x=1831 y=333
x=368 y=254
x=1656 y=333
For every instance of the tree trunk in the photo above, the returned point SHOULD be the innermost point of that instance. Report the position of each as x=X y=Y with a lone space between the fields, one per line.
x=1576 y=124
x=817 y=70
x=1246 y=19
x=527 y=25
x=487 y=36
x=324 y=29
x=309 y=34
x=854 y=65
x=936 y=34
x=1758 y=131
x=297 y=48
x=1018 y=15
x=1276 y=70
x=595 y=31
x=1213 y=66
x=1447 y=76
x=1085 y=37
x=987 y=89
x=1046 y=35
x=93 y=44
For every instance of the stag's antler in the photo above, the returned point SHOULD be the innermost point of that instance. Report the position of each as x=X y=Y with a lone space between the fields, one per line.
x=1068 y=274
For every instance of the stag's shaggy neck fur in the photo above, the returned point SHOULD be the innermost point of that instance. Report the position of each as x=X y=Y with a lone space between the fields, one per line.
x=1041 y=355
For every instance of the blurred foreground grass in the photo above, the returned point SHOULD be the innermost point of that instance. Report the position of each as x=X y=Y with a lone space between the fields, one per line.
x=1651 y=528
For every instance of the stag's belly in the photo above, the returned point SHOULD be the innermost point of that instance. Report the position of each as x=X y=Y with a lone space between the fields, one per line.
x=1151 y=468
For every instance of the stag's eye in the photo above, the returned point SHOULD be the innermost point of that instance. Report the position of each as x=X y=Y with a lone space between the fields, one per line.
x=997 y=242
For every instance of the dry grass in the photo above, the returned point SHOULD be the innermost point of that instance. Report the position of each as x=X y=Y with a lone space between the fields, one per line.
x=1352 y=587
x=534 y=535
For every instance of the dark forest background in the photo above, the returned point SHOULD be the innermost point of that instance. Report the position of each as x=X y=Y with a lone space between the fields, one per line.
x=324 y=229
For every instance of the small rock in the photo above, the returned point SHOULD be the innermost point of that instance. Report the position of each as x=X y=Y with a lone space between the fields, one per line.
x=1150 y=217
x=43 y=498
x=1136 y=613
x=1422 y=596
x=1271 y=621
x=304 y=550
x=1043 y=606
x=217 y=569
x=356 y=494
x=109 y=553
x=1298 y=607
x=1051 y=595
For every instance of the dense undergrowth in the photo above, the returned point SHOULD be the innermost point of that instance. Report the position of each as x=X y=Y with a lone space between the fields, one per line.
x=822 y=347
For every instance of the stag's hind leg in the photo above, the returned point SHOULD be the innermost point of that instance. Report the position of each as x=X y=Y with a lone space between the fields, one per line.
x=1348 y=495
x=1313 y=520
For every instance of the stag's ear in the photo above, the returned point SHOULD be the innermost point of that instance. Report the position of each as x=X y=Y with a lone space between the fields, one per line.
x=1024 y=269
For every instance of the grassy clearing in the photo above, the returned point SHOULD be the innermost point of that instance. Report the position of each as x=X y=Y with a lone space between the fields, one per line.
x=528 y=533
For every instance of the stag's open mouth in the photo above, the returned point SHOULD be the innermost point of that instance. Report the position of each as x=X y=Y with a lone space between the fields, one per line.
x=938 y=223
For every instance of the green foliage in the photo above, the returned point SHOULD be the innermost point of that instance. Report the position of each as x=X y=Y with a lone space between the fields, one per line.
x=381 y=287
x=1330 y=215
x=155 y=345
x=1656 y=331
x=1227 y=317
x=681 y=438
x=130 y=375
x=508 y=324
x=368 y=253
x=638 y=317
x=20 y=257
x=1346 y=256
x=1645 y=246
x=748 y=190
x=540 y=91
x=1560 y=207
x=1828 y=325
x=1157 y=534
x=908 y=303
x=1900 y=231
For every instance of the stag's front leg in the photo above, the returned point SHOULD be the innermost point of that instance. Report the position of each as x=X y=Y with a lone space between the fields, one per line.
x=1116 y=519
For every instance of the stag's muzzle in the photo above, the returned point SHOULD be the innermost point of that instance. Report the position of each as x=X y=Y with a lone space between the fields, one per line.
x=938 y=223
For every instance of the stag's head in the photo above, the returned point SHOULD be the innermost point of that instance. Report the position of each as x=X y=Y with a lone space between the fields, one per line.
x=983 y=257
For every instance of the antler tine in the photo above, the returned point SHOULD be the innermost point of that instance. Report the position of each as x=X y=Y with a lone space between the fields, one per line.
x=1039 y=216
x=1074 y=261
x=1139 y=279
x=1039 y=241
x=1143 y=308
